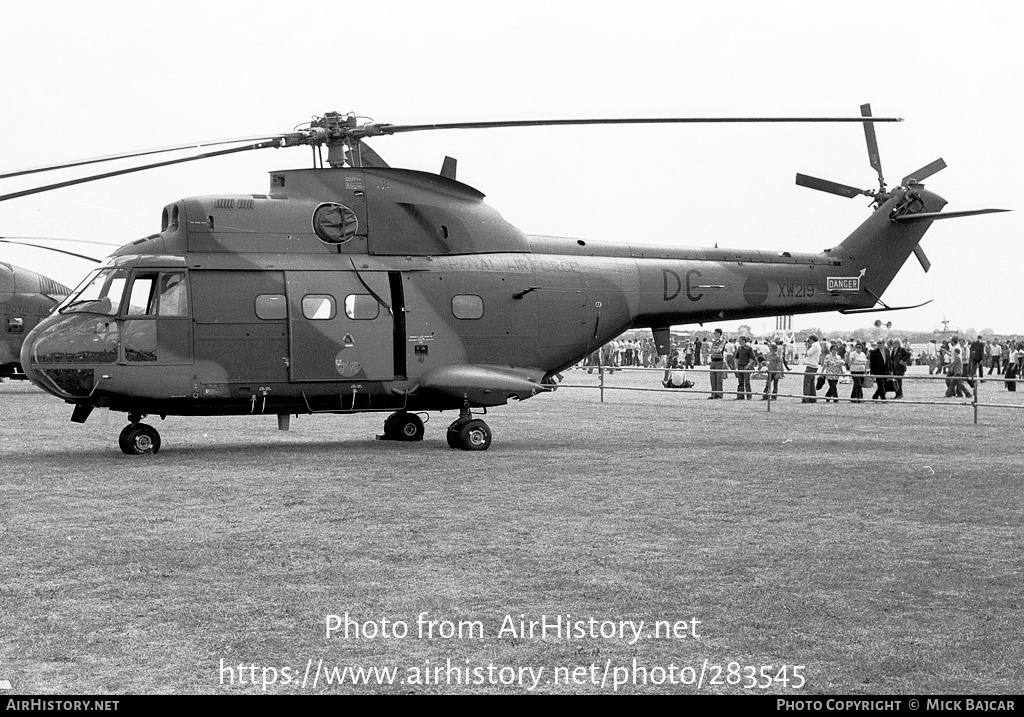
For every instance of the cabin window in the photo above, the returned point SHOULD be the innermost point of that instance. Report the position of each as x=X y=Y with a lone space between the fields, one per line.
x=467 y=306
x=15 y=325
x=335 y=223
x=318 y=307
x=173 y=295
x=271 y=307
x=361 y=307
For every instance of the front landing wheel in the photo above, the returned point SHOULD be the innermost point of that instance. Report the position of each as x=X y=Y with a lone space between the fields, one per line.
x=138 y=439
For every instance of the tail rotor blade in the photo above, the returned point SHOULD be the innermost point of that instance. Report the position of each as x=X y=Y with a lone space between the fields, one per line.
x=824 y=185
x=919 y=253
x=925 y=171
x=869 y=135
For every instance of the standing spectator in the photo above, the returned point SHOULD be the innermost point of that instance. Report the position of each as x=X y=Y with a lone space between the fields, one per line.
x=833 y=369
x=1011 y=371
x=688 y=354
x=932 y=356
x=945 y=357
x=899 y=360
x=745 y=363
x=857 y=361
x=955 y=385
x=717 y=364
x=730 y=355
x=878 y=362
x=977 y=358
x=810 y=361
x=776 y=364
x=697 y=346
x=996 y=357
x=608 y=356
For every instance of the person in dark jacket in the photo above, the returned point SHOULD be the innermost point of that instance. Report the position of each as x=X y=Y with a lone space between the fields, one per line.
x=977 y=358
x=899 y=360
x=878 y=362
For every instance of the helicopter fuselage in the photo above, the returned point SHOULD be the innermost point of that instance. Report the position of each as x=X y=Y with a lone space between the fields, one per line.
x=378 y=289
x=25 y=298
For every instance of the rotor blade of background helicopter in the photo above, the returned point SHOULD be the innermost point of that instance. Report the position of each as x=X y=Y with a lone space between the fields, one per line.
x=373 y=129
x=824 y=185
x=869 y=135
x=83 y=180
x=139 y=153
x=50 y=248
x=925 y=171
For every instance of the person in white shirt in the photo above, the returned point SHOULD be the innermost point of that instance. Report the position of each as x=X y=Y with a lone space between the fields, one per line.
x=932 y=356
x=810 y=361
x=857 y=361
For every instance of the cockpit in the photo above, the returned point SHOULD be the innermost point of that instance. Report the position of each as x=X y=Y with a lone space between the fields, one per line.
x=118 y=314
x=152 y=293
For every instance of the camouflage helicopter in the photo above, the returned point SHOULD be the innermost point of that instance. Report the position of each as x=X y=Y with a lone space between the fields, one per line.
x=25 y=298
x=362 y=287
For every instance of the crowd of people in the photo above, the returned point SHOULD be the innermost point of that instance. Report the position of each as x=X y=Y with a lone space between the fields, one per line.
x=822 y=362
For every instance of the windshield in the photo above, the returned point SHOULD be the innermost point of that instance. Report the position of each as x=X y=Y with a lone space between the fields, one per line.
x=100 y=293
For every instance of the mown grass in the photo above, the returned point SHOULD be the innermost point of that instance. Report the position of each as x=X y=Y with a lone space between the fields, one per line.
x=881 y=546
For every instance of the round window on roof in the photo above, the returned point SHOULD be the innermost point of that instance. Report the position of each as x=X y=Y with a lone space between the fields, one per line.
x=335 y=223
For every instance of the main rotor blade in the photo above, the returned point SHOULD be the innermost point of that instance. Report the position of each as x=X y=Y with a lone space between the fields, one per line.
x=105 y=175
x=138 y=153
x=824 y=185
x=869 y=135
x=372 y=129
x=925 y=171
x=50 y=248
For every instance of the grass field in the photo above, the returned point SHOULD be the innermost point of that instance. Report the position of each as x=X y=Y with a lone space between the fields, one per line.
x=880 y=547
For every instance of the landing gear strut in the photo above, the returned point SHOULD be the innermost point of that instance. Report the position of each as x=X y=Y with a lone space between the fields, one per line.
x=403 y=426
x=468 y=433
x=137 y=439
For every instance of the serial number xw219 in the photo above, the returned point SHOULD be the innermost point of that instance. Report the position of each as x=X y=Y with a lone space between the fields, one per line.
x=795 y=291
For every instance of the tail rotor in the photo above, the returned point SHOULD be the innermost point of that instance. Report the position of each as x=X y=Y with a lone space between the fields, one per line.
x=880 y=195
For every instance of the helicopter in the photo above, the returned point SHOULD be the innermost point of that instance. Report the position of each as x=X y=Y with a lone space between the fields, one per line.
x=27 y=296
x=359 y=287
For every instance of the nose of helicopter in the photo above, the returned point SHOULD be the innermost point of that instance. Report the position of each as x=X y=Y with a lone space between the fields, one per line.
x=61 y=353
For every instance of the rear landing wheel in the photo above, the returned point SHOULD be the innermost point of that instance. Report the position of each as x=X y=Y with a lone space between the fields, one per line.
x=403 y=426
x=472 y=435
x=138 y=439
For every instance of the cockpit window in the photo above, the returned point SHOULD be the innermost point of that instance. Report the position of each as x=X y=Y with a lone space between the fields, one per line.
x=158 y=294
x=101 y=293
x=142 y=297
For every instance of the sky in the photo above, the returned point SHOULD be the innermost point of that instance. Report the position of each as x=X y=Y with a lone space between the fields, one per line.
x=84 y=80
